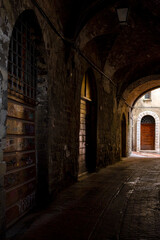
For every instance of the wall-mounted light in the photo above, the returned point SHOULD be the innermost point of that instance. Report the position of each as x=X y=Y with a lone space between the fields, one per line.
x=122 y=15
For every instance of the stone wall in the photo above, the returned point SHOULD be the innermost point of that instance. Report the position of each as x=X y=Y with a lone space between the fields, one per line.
x=146 y=107
x=60 y=75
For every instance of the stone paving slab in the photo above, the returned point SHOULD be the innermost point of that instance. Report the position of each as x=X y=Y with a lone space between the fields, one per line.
x=119 y=202
x=149 y=154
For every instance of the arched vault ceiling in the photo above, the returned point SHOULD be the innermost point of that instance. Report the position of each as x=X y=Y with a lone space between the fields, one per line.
x=74 y=15
x=136 y=70
x=124 y=53
x=135 y=90
x=99 y=25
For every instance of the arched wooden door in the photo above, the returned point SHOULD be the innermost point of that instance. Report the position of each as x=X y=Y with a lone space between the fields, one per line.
x=87 y=132
x=123 y=136
x=147 y=133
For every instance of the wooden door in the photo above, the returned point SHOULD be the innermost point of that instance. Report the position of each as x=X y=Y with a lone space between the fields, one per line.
x=123 y=136
x=148 y=136
x=85 y=138
x=87 y=132
x=82 y=137
x=19 y=154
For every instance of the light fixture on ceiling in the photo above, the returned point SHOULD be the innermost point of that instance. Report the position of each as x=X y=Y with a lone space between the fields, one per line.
x=122 y=15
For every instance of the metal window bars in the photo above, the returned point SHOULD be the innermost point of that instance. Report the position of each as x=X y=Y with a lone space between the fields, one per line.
x=22 y=67
x=147 y=95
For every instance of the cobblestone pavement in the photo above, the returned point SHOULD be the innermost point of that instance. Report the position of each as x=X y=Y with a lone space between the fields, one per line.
x=121 y=201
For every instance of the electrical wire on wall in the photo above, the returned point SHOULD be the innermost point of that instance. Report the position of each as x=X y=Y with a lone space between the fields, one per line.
x=73 y=45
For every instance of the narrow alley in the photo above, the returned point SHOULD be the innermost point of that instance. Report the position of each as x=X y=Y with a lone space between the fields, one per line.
x=79 y=92
x=121 y=201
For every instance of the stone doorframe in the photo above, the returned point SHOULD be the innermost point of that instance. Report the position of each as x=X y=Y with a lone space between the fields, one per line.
x=156 y=118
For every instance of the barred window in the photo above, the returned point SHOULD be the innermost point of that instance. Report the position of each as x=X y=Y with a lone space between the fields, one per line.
x=22 y=68
x=147 y=96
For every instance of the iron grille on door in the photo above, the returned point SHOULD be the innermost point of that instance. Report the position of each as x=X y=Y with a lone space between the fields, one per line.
x=147 y=119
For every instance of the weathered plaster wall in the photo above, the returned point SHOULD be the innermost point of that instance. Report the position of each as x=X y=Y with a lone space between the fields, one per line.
x=143 y=105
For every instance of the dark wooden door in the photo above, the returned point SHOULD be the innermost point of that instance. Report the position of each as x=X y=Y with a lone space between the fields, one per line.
x=148 y=136
x=19 y=154
x=87 y=131
x=123 y=136
x=87 y=137
x=84 y=136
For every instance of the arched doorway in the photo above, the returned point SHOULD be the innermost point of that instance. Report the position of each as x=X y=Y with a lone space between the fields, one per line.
x=148 y=133
x=123 y=136
x=87 y=132
x=22 y=149
x=156 y=132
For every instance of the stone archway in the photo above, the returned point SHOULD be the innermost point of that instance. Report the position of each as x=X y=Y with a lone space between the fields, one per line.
x=155 y=116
